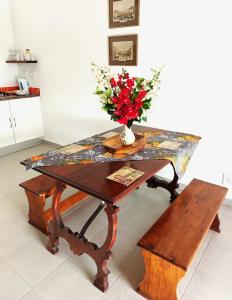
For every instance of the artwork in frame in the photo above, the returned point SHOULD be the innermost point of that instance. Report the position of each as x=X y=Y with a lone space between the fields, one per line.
x=123 y=50
x=123 y=13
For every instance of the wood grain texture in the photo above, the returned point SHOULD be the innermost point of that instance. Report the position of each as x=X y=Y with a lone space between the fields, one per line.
x=161 y=278
x=176 y=235
x=92 y=178
x=40 y=185
x=114 y=145
x=67 y=203
x=37 y=190
x=79 y=244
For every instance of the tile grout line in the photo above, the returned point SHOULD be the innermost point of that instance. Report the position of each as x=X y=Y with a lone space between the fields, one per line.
x=37 y=284
x=197 y=265
x=119 y=276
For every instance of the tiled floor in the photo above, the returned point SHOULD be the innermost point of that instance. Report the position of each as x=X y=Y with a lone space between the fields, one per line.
x=28 y=271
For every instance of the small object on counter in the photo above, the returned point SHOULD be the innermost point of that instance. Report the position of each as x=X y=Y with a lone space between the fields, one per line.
x=23 y=85
x=20 y=93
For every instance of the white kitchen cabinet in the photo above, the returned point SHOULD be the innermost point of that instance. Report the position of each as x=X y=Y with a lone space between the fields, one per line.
x=6 y=125
x=20 y=121
x=27 y=120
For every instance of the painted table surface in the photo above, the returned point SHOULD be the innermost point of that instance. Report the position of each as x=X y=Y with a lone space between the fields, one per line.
x=92 y=179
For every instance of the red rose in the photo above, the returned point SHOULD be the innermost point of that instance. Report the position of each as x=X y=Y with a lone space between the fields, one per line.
x=142 y=94
x=113 y=82
x=130 y=83
x=127 y=76
x=123 y=120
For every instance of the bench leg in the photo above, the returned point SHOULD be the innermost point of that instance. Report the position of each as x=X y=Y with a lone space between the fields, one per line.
x=56 y=222
x=161 y=278
x=216 y=224
x=37 y=211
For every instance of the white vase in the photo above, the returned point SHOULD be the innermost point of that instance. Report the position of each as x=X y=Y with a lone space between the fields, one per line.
x=127 y=136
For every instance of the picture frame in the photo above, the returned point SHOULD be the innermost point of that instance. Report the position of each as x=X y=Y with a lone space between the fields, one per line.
x=123 y=50
x=123 y=13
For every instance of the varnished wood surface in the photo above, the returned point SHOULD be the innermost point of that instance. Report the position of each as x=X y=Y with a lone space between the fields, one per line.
x=176 y=235
x=40 y=185
x=67 y=203
x=114 y=145
x=37 y=190
x=161 y=278
x=92 y=178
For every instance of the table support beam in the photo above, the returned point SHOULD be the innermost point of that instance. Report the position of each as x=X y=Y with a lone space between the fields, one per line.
x=171 y=186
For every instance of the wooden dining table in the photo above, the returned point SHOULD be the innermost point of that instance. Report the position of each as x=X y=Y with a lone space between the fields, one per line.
x=92 y=179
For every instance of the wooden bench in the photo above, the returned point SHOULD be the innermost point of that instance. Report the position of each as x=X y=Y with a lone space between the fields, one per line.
x=169 y=246
x=38 y=189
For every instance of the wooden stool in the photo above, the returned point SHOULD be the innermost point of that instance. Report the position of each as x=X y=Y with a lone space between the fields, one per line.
x=38 y=189
x=169 y=246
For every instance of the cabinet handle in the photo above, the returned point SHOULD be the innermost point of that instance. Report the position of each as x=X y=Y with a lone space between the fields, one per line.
x=11 y=125
x=14 y=122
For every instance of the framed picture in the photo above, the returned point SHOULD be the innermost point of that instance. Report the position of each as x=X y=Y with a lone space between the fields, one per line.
x=123 y=13
x=123 y=50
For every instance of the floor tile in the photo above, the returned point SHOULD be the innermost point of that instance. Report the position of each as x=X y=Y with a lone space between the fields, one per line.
x=123 y=250
x=222 y=240
x=217 y=262
x=15 y=231
x=12 y=285
x=32 y=295
x=184 y=282
x=33 y=262
x=72 y=280
x=204 y=287
x=125 y=287
x=201 y=249
x=226 y=222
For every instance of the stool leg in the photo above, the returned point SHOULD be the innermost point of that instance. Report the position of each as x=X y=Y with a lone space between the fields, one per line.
x=216 y=224
x=36 y=211
x=161 y=278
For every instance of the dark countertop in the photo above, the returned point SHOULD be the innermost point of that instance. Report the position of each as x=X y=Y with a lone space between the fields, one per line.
x=13 y=97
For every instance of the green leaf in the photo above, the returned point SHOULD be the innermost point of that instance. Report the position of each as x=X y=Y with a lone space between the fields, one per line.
x=144 y=118
x=99 y=92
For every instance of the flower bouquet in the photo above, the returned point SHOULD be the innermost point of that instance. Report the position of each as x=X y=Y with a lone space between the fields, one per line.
x=124 y=98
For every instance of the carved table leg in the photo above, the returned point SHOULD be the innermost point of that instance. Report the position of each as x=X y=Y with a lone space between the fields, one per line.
x=103 y=254
x=79 y=244
x=161 y=278
x=216 y=224
x=154 y=182
x=53 y=242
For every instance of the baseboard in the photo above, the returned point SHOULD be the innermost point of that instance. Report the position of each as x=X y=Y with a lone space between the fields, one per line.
x=52 y=143
x=20 y=146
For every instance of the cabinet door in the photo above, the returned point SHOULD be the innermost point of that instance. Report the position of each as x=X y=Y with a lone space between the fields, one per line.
x=6 y=130
x=27 y=119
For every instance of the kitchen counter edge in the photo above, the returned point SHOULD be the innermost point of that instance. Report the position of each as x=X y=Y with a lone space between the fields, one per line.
x=14 y=97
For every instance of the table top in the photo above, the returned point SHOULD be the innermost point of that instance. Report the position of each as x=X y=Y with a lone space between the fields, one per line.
x=92 y=178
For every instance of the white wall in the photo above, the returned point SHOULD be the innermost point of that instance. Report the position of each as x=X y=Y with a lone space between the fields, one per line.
x=191 y=37
x=7 y=71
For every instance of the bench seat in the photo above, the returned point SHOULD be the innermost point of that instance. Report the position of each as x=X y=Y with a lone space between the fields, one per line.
x=38 y=189
x=169 y=246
